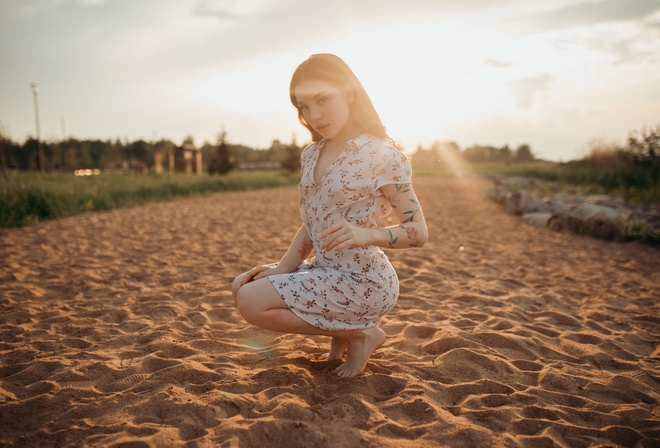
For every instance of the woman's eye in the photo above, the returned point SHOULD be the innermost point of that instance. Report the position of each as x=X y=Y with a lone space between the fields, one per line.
x=323 y=100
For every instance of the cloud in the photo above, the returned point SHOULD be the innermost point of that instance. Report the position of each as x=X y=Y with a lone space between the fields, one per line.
x=497 y=63
x=584 y=14
x=625 y=50
x=227 y=9
x=524 y=89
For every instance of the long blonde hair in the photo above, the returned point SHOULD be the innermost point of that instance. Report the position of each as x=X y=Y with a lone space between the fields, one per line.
x=332 y=69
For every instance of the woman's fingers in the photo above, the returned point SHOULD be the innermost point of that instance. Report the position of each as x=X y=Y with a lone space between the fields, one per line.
x=329 y=237
x=247 y=278
x=338 y=236
x=333 y=228
x=261 y=274
x=253 y=273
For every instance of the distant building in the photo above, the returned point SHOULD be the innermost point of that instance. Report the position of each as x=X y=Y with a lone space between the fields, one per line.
x=182 y=159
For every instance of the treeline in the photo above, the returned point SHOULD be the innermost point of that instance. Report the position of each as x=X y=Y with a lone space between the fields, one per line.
x=440 y=154
x=143 y=156
x=640 y=150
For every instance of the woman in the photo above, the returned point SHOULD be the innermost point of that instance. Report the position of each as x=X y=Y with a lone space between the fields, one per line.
x=352 y=174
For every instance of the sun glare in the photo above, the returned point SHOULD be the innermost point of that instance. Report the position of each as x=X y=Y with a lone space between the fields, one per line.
x=426 y=78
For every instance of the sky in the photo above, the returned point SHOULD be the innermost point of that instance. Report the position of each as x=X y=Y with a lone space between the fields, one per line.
x=554 y=74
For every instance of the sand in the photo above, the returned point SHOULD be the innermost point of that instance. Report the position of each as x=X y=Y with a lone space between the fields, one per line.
x=117 y=329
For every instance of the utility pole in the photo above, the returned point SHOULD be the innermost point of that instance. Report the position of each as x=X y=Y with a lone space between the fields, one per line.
x=63 y=144
x=35 y=91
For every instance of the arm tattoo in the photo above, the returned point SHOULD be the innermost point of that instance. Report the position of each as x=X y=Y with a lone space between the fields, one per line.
x=305 y=248
x=398 y=189
x=392 y=240
x=412 y=213
x=411 y=232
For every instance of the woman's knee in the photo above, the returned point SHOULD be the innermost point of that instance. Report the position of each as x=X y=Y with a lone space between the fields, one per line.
x=253 y=298
x=236 y=285
x=246 y=304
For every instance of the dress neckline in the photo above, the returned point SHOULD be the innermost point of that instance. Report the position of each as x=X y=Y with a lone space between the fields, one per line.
x=352 y=144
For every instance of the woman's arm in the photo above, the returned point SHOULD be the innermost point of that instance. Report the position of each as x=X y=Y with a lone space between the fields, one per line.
x=411 y=232
x=299 y=249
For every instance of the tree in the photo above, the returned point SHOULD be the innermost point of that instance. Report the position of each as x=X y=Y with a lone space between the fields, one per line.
x=524 y=154
x=291 y=159
x=97 y=151
x=4 y=146
x=504 y=153
x=644 y=145
x=478 y=153
x=223 y=162
x=29 y=156
x=427 y=158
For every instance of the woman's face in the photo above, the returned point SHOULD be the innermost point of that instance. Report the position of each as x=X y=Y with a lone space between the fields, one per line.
x=324 y=107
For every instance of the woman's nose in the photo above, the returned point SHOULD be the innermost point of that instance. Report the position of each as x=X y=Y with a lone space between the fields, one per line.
x=315 y=113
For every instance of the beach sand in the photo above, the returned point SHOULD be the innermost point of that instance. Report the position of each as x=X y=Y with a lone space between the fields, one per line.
x=117 y=329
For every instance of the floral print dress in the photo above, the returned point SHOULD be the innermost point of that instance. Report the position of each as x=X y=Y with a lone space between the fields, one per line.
x=350 y=288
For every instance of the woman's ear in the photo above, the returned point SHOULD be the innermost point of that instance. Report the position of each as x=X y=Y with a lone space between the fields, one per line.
x=348 y=93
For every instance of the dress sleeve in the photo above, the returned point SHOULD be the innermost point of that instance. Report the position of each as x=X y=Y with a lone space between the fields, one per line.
x=393 y=168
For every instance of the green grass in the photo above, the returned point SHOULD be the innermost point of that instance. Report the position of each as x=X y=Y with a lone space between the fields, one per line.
x=635 y=183
x=28 y=198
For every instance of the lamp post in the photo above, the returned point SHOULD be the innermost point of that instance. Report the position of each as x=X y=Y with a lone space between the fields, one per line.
x=40 y=155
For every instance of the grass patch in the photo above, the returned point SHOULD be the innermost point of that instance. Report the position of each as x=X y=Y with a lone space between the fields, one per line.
x=635 y=183
x=28 y=198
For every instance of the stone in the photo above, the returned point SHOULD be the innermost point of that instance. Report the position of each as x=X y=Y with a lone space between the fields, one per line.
x=584 y=211
x=595 y=198
x=547 y=206
x=565 y=222
x=516 y=203
x=538 y=219
x=598 y=215
x=601 y=226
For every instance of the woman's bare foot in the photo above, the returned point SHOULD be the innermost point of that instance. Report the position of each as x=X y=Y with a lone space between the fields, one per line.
x=337 y=348
x=360 y=349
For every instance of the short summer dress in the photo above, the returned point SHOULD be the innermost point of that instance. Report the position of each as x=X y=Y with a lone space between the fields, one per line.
x=350 y=288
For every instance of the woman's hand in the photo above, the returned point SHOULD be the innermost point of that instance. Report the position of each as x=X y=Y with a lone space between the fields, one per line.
x=344 y=234
x=264 y=271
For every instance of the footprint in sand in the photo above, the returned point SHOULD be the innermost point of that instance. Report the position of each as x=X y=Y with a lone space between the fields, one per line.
x=125 y=383
x=162 y=313
x=80 y=385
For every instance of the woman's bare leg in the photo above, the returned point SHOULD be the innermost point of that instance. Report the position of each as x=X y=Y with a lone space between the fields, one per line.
x=261 y=305
x=235 y=286
x=337 y=348
x=361 y=345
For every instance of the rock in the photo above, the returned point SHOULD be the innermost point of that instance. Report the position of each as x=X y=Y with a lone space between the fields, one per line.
x=584 y=211
x=496 y=193
x=601 y=226
x=538 y=219
x=565 y=222
x=564 y=209
x=548 y=206
x=516 y=203
x=617 y=203
x=596 y=198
